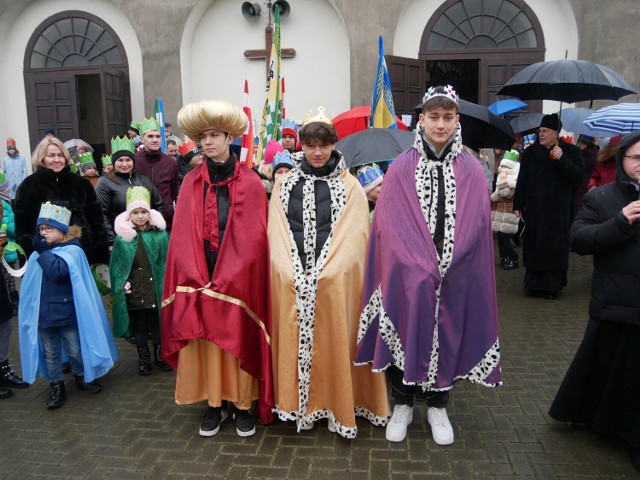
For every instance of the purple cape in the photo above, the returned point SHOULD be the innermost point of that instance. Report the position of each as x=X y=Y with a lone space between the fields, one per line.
x=402 y=277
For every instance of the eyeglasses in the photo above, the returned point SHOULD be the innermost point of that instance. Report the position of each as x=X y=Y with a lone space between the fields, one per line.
x=44 y=228
x=633 y=158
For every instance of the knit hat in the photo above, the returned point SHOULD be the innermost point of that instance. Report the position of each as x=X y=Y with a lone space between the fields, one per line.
x=370 y=176
x=4 y=181
x=48 y=131
x=551 y=122
x=11 y=143
x=86 y=161
x=122 y=146
x=271 y=149
x=188 y=149
x=283 y=159
x=54 y=216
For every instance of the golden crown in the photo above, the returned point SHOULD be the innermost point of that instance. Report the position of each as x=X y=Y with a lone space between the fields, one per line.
x=319 y=117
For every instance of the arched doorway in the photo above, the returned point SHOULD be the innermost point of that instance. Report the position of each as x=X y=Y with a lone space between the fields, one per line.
x=474 y=45
x=76 y=80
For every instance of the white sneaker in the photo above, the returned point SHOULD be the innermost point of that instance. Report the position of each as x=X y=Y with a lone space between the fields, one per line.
x=441 y=428
x=400 y=420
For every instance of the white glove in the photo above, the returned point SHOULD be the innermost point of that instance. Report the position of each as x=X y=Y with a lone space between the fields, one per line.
x=127 y=288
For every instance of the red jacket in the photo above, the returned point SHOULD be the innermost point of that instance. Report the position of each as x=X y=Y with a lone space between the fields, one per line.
x=603 y=173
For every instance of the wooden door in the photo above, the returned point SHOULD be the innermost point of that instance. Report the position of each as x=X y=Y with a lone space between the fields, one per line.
x=51 y=103
x=115 y=102
x=407 y=82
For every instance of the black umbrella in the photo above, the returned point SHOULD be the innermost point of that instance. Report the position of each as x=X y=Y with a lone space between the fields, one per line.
x=374 y=145
x=567 y=81
x=481 y=128
x=526 y=123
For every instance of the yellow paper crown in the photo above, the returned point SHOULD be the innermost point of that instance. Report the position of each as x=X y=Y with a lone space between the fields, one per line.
x=121 y=143
x=139 y=196
x=319 y=117
x=149 y=124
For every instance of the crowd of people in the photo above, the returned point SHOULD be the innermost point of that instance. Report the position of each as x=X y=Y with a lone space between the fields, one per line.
x=305 y=291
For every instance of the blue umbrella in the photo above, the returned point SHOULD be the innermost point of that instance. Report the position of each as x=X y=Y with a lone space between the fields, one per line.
x=619 y=119
x=502 y=107
x=572 y=121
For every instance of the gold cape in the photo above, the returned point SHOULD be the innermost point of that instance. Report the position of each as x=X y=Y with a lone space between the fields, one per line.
x=338 y=390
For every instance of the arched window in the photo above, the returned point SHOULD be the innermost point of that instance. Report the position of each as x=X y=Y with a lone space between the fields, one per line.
x=478 y=24
x=73 y=41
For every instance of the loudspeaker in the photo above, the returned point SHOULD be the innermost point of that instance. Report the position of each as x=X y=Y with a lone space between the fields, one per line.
x=250 y=10
x=284 y=7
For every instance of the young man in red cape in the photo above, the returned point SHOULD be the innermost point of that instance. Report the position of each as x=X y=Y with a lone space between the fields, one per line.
x=216 y=312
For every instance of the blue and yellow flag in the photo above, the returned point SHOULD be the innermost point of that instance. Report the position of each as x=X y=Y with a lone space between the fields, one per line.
x=383 y=114
x=271 y=126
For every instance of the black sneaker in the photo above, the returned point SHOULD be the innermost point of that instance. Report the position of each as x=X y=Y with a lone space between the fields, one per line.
x=212 y=420
x=245 y=425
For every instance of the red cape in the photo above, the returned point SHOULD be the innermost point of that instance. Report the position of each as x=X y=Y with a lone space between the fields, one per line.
x=232 y=309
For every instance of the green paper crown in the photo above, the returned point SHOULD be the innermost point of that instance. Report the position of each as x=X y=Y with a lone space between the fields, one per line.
x=149 y=124
x=106 y=160
x=511 y=155
x=86 y=158
x=138 y=194
x=121 y=143
x=135 y=125
x=73 y=167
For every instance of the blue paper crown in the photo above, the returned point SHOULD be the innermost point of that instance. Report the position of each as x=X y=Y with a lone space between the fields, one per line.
x=369 y=173
x=283 y=159
x=55 y=216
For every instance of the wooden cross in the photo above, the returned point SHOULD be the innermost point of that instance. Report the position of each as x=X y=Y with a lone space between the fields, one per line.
x=266 y=52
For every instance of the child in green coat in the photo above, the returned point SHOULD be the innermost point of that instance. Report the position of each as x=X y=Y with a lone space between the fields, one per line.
x=137 y=274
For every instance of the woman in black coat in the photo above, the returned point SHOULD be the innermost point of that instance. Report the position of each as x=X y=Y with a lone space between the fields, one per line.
x=602 y=385
x=53 y=181
x=112 y=189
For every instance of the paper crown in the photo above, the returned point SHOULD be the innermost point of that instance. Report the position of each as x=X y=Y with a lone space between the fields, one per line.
x=106 y=160
x=54 y=216
x=370 y=176
x=138 y=197
x=188 y=147
x=4 y=181
x=149 y=124
x=73 y=168
x=283 y=159
x=135 y=125
x=511 y=155
x=448 y=92
x=11 y=142
x=319 y=117
x=121 y=143
x=86 y=158
x=289 y=128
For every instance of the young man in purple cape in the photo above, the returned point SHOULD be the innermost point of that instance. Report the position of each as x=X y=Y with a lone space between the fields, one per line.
x=429 y=305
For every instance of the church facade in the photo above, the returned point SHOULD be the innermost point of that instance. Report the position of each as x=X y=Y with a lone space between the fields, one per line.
x=87 y=67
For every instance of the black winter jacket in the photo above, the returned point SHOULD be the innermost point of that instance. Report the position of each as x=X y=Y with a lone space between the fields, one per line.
x=322 y=207
x=601 y=230
x=112 y=197
x=68 y=190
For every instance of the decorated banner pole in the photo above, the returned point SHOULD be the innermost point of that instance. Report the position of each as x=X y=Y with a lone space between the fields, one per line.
x=158 y=111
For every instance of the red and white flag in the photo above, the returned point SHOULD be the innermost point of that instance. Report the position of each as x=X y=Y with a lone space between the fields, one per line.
x=248 y=150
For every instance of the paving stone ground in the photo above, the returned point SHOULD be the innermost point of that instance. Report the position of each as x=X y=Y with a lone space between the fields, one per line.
x=133 y=429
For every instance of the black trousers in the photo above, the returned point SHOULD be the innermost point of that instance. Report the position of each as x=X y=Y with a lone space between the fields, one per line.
x=406 y=394
x=505 y=248
x=143 y=322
